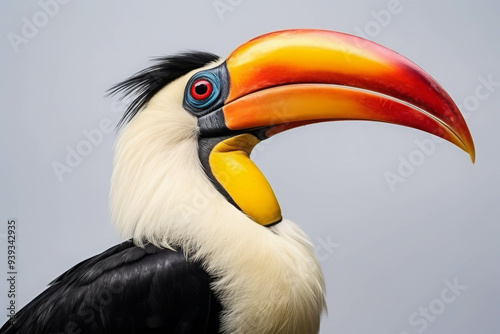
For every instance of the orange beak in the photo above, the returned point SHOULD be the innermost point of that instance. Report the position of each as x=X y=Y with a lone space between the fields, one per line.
x=290 y=78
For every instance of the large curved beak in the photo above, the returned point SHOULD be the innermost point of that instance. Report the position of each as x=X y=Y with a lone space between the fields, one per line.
x=290 y=78
x=296 y=77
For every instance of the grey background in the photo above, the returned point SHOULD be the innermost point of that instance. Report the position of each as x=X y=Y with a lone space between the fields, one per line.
x=390 y=251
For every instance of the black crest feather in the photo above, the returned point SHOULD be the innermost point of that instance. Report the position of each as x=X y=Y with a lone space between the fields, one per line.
x=145 y=84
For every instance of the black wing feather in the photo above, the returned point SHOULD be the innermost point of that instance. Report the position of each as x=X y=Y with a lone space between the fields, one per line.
x=126 y=289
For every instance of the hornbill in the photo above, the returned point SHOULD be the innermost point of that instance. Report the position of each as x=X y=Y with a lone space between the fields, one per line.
x=209 y=250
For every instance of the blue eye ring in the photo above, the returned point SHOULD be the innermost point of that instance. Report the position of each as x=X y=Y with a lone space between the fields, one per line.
x=210 y=99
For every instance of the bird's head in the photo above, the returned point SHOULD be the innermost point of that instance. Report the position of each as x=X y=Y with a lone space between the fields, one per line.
x=195 y=114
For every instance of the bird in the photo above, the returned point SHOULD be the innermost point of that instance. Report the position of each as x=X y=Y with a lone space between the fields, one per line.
x=206 y=248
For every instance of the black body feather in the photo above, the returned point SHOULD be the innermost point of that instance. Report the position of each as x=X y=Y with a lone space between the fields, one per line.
x=126 y=289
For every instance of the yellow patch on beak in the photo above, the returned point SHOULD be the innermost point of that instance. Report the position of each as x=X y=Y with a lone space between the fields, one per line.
x=241 y=178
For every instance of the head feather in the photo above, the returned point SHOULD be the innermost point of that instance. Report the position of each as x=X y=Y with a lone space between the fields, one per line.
x=146 y=83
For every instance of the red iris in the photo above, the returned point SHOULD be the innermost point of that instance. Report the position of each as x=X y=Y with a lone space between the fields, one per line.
x=201 y=89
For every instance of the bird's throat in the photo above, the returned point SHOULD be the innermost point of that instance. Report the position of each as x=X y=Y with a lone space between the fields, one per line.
x=233 y=171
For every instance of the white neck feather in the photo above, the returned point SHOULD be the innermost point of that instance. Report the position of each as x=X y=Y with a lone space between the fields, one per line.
x=270 y=280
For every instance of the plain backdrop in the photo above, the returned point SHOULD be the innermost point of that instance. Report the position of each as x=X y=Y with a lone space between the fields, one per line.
x=388 y=253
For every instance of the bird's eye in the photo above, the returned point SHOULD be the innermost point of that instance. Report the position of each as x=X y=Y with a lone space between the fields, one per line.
x=201 y=89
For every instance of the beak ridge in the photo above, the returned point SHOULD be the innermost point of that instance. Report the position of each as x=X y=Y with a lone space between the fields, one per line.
x=296 y=77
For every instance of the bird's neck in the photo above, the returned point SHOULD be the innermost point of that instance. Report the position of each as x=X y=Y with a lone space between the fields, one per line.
x=268 y=279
